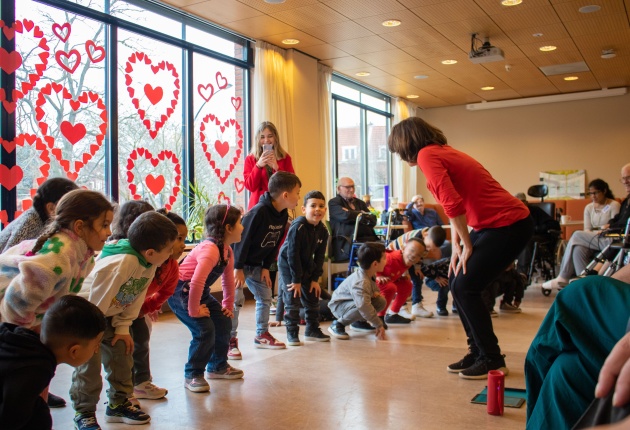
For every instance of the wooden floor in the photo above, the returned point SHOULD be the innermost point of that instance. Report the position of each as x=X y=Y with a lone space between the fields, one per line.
x=400 y=383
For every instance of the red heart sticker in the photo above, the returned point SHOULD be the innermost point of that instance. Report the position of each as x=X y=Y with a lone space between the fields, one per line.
x=223 y=199
x=4 y=218
x=9 y=178
x=65 y=60
x=155 y=184
x=205 y=91
x=211 y=124
x=91 y=49
x=37 y=62
x=10 y=62
x=73 y=133
x=221 y=81
x=138 y=70
x=239 y=185
x=39 y=146
x=62 y=31
x=236 y=102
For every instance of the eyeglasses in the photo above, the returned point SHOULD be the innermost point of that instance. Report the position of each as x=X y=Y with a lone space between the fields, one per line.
x=227 y=209
x=347 y=186
x=592 y=193
x=625 y=179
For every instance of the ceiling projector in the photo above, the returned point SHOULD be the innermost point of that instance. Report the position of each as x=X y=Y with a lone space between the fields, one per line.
x=486 y=53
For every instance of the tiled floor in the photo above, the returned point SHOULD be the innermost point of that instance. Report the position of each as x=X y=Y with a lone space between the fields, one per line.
x=400 y=383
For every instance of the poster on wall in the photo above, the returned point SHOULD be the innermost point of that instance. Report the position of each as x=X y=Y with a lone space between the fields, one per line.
x=564 y=184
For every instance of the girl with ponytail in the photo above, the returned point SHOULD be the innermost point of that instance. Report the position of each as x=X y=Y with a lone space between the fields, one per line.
x=208 y=320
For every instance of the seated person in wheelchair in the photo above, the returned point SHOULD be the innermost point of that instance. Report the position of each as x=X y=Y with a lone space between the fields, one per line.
x=546 y=233
x=582 y=244
x=343 y=210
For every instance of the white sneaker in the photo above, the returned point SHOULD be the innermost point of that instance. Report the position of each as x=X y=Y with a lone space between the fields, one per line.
x=404 y=312
x=554 y=283
x=148 y=390
x=419 y=311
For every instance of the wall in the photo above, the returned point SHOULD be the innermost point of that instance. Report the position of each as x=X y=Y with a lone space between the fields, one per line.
x=514 y=144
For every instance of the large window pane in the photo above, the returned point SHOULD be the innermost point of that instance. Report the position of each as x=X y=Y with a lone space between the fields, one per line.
x=377 y=157
x=218 y=44
x=349 y=143
x=140 y=16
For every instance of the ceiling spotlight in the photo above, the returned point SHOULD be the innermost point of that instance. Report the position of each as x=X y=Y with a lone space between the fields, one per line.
x=275 y=1
x=571 y=78
x=487 y=88
x=363 y=74
x=511 y=2
x=590 y=8
x=448 y=62
x=420 y=77
x=607 y=54
x=412 y=96
x=391 y=23
x=290 y=41
x=548 y=48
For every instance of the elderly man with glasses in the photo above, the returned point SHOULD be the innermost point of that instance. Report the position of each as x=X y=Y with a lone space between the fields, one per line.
x=344 y=210
x=578 y=252
x=420 y=216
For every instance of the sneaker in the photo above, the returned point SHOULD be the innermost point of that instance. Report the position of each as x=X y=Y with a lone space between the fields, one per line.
x=147 y=390
x=55 y=401
x=293 y=339
x=557 y=283
x=454 y=310
x=419 y=311
x=86 y=421
x=493 y=313
x=482 y=366
x=126 y=413
x=233 y=352
x=134 y=400
x=362 y=326
x=463 y=364
x=338 y=330
x=396 y=319
x=508 y=308
x=404 y=312
x=384 y=323
x=228 y=373
x=442 y=312
x=197 y=384
x=316 y=335
x=272 y=310
x=267 y=341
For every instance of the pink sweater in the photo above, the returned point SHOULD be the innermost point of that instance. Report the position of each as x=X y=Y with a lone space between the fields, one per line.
x=197 y=266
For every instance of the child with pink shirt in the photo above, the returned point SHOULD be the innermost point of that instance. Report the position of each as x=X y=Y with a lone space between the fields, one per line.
x=208 y=320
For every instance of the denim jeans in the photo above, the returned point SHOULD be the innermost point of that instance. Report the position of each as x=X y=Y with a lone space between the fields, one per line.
x=262 y=294
x=141 y=336
x=210 y=335
x=416 y=292
x=239 y=301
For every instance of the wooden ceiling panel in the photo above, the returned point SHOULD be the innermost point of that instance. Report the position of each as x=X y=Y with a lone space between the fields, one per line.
x=569 y=11
x=520 y=68
x=460 y=32
x=452 y=92
x=385 y=57
x=440 y=13
x=323 y=52
x=548 y=33
x=364 y=45
x=498 y=94
x=493 y=7
x=422 y=83
x=414 y=67
x=524 y=18
x=556 y=58
x=222 y=11
x=617 y=40
x=339 y=31
x=355 y=9
x=433 y=50
x=378 y=81
x=305 y=39
x=408 y=19
x=345 y=63
x=534 y=87
x=182 y=3
x=586 y=82
x=314 y=15
x=271 y=8
x=597 y=25
x=260 y=26
x=419 y=3
x=373 y=71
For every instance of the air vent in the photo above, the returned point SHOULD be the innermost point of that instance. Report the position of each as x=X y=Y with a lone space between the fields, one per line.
x=562 y=69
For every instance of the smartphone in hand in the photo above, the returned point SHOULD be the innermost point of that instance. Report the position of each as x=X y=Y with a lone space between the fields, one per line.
x=267 y=147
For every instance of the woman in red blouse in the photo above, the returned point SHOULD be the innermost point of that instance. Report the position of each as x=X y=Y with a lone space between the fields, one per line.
x=501 y=227
x=260 y=164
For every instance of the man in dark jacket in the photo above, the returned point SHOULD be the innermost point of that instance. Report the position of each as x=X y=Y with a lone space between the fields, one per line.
x=344 y=210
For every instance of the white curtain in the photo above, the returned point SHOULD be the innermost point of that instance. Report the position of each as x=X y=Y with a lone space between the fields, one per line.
x=273 y=99
x=405 y=177
x=324 y=78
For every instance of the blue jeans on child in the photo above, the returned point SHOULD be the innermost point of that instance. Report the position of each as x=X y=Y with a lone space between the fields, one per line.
x=210 y=335
x=416 y=292
x=262 y=294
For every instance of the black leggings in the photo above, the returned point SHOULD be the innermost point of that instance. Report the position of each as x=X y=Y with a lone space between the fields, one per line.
x=493 y=250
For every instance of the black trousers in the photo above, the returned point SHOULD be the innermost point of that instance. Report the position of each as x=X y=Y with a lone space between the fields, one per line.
x=493 y=250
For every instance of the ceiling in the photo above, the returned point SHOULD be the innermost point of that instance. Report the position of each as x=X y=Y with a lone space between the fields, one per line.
x=348 y=35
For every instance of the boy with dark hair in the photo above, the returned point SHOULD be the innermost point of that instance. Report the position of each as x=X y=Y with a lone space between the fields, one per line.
x=264 y=227
x=71 y=333
x=300 y=264
x=118 y=285
x=358 y=297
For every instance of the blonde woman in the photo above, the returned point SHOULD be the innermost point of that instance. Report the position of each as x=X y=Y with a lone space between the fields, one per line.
x=266 y=158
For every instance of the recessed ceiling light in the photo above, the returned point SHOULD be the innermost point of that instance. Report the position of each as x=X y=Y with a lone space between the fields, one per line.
x=511 y=2
x=487 y=88
x=290 y=41
x=537 y=35
x=420 y=77
x=391 y=23
x=548 y=48
x=449 y=62
x=590 y=8
x=607 y=54
x=275 y=1
x=363 y=74
x=412 y=96
x=571 y=78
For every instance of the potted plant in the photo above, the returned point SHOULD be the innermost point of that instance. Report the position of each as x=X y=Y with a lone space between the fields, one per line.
x=196 y=211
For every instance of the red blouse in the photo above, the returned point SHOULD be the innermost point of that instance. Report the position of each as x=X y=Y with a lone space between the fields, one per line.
x=256 y=179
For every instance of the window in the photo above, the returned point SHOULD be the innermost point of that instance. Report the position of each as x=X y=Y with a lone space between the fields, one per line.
x=361 y=123
x=129 y=98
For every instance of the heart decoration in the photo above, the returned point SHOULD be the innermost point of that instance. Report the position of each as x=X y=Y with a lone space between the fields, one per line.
x=62 y=31
x=10 y=177
x=221 y=81
x=4 y=218
x=158 y=108
x=236 y=102
x=39 y=145
x=91 y=48
x=221 y=145
x=68 y=65
x=9 y=61
x=155 y=184
x=239 y=185
x=222 y=199
x=76 y=132
x=205 y=91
